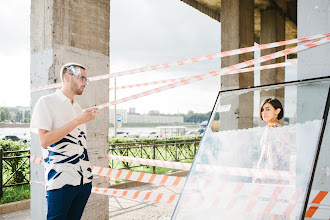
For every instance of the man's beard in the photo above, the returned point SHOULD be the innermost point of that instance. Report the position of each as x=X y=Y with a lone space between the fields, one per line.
x=75 y=88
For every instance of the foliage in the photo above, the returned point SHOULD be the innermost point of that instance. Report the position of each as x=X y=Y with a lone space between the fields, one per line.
x=15 y=193
x=10 y=165
x=192 y=117
x=169 y=149
x=4 y=114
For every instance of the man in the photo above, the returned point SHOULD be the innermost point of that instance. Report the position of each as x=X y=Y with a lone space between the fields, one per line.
x=62 y=132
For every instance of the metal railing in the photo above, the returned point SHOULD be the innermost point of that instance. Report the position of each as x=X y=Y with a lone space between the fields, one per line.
x=16 y=164
x=167 y=150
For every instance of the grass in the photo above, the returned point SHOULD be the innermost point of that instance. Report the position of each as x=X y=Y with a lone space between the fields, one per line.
x=149 y=169
x=15 y=193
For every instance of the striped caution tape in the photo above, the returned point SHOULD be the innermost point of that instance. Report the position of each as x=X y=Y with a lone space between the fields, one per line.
x=262 y=174
x=130 y=175
x=225 y=170
x=147 y=196
x=318 y=205
x=139 y=177
x=38 y=160
x=231 y=202
x=224 y=71
x=240 y=205
x=192 y=60
x=271 y=66
x=318 y=208
x=252 y=190
x=246 y=205
x=149 y=162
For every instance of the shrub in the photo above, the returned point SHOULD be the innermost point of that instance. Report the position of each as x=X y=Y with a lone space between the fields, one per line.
x=9 y=166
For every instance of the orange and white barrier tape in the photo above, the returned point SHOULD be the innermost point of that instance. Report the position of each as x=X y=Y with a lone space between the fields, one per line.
x=224 y=71
x=192 y=60
x=149 y=162
x=225 y=170
x=240 y=205
x=318 y=205
x=249 y=204
x=130 y=175
x=38 y=160
x=139 y=177
x=321 y=209
x=147 y=196
x=271 y=66
x=251 y=190
x=247 y=172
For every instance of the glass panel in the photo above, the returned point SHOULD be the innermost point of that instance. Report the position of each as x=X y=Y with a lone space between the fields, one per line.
x=247 y=168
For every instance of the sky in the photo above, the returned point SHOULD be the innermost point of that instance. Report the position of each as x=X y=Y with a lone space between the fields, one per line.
x=15 y=53
x=142 y=33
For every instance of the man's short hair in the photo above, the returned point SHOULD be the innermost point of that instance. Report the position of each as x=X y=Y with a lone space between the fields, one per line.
x=66 y=67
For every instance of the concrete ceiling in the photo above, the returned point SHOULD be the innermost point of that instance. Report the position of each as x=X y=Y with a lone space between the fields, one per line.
x=287 y=7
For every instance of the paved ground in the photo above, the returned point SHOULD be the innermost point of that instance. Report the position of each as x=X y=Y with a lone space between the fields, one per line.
x=122 y=209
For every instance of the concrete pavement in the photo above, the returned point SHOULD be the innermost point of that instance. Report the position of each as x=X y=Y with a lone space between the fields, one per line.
x=122 y=209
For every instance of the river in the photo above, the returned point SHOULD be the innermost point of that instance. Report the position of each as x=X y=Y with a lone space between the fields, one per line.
x=21 y=132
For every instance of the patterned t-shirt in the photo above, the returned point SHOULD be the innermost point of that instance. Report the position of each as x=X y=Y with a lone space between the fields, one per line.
x=66 y=161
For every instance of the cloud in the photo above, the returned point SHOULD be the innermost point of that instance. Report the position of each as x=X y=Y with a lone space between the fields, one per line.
x=15 y=27
x=158 y=32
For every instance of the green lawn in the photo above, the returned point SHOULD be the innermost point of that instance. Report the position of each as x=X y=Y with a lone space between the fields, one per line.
x=15 y=193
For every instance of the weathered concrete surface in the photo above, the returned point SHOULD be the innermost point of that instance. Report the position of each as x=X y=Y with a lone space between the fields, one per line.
x=14 y=206
x=272 y=30
x=237 y=31
x=62 y=32
x=19 y=215
x=314 y=18
x=122 y=209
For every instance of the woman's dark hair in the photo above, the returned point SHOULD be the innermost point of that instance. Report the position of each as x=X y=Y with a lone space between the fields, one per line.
x=276 y=104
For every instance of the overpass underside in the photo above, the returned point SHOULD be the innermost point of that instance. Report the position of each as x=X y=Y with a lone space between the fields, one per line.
x=243 y=23
x=287 y=8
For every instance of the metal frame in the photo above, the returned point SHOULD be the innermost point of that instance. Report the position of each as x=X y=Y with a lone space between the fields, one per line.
x=273 y=86
x=167 y=150
x=316 y=156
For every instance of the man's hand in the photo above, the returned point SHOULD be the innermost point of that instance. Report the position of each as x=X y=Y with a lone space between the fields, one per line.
x=49 y=137
x=88 y=115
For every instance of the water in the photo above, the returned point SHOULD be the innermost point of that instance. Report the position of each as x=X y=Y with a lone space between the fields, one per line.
x=21 y=132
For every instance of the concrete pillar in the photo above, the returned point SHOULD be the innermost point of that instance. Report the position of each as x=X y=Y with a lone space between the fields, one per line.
x=237 y=31
x=72 y=31
x=314 y=18
x=272 y=30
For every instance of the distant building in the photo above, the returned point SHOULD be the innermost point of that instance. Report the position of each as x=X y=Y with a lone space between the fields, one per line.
x=132 y=117
x=121 y=114
x=20 y=114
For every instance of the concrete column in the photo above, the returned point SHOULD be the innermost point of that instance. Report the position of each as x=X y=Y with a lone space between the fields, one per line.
x=237 y=31
x=71 y=31
x=314 y=18
x=272 y=30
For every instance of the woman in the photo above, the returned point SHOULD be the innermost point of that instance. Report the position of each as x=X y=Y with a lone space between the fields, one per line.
x=274 y=155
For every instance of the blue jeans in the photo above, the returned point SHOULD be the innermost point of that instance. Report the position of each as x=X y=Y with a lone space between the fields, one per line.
x=68 y=202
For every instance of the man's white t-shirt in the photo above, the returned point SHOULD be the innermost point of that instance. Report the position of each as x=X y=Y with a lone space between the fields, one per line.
x=66 y=161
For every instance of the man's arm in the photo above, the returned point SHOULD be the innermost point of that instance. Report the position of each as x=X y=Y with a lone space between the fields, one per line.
x=48 y=138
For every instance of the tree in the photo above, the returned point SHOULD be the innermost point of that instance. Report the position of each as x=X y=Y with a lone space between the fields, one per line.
x=153 y=112
x=4 y=114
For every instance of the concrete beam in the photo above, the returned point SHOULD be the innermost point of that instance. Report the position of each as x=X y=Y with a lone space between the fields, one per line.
x=314 y=18
x=237 y=31
x=68 y=31
x=213 y=13
x=272 y=30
